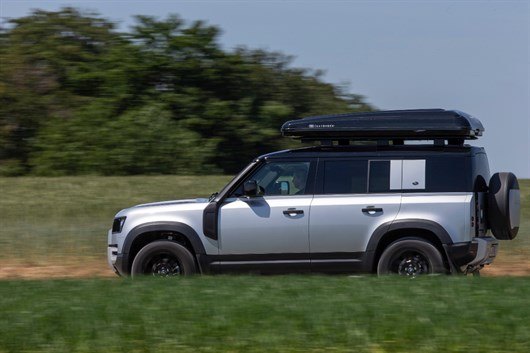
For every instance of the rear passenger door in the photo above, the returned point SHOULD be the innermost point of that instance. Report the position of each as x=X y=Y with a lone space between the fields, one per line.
x=352 y=198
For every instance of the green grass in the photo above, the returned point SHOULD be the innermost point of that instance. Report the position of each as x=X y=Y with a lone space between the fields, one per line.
x=52 y=220
x=266 y=314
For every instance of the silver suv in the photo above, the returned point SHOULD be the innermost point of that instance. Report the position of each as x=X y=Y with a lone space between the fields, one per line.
x=363 y=199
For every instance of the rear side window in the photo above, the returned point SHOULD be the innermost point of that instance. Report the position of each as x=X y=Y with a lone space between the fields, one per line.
x=434 y=174
x=448 y=174
x=481 y=172
x=356 y=177
x=379 y=176
x=345 y=177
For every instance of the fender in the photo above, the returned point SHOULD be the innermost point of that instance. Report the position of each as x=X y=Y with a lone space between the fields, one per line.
x=178 y=227
x=122 y=260
x=387 y=227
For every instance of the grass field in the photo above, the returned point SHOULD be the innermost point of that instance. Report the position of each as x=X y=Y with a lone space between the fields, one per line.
x=266 y=314
x=55 y=221
x=58 y=226
x=61 y=223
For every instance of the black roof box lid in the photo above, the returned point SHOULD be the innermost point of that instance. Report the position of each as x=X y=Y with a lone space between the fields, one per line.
x=419 y=124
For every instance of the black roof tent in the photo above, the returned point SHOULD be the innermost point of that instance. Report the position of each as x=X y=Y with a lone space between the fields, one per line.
x=396 y=125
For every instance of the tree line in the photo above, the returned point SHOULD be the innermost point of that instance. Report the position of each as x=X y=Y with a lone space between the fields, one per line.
x=79 y=96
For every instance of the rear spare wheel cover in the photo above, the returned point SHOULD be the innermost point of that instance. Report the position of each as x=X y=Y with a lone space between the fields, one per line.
x=504 y=205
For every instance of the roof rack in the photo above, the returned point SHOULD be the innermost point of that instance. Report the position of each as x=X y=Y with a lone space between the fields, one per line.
x=391 y=126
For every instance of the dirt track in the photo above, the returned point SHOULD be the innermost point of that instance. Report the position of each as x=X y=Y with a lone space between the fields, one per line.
x=99 y=269
x=31 y=271
x=519 y=269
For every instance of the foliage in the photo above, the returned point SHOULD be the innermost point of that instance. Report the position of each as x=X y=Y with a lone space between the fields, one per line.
x=145 y=140
x=79 y=97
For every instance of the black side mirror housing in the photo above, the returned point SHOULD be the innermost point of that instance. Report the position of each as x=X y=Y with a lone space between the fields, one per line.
x=250 y=188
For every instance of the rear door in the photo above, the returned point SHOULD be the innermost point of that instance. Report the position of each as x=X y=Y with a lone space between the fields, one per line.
x=352 y=198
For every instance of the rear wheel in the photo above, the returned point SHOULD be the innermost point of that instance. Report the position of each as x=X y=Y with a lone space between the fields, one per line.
x=410 y=257
x=163 y=259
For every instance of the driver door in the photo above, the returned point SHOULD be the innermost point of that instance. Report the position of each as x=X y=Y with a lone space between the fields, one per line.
x=268 y=232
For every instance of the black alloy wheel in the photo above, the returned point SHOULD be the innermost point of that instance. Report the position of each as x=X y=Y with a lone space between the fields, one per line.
x=410 y=264
x=163 y=258
x=410 y=257
x=164 y=265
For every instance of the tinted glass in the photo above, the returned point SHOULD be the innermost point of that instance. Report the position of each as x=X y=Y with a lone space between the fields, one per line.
x=345 y=177
x=379 y=176
x=481 y=172
x=449 y=174
x=280 y=178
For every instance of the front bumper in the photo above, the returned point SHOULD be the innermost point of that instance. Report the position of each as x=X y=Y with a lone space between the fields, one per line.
x=112 y=253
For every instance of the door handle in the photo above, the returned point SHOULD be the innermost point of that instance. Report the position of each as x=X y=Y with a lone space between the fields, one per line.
x=372 y=210
x=292 y=212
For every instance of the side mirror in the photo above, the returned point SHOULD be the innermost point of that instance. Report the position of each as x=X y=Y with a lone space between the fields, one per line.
x=250 y=188
x=284 y=188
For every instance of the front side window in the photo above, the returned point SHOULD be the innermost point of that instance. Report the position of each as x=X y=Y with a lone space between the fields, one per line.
x=280 y=178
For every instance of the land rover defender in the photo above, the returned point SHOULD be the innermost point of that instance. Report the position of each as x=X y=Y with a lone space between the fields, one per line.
x=389 y=192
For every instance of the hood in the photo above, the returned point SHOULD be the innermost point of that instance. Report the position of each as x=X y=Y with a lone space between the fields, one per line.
x=173 y=202
x=164 y=206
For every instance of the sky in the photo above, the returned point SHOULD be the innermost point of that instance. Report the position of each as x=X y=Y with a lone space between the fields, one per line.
x=473 y=56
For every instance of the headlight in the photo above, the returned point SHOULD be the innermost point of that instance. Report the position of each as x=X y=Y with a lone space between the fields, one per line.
x=117 y=225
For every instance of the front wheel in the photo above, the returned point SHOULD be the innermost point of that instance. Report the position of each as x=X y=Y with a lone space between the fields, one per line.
x=410 y=257
x=163 y=258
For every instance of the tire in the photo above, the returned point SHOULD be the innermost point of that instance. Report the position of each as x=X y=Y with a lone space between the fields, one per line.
x=163 y=258
x=410 y=257
x=504 y=206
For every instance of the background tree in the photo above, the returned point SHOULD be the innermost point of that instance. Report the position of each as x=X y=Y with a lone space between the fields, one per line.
x=78 y=97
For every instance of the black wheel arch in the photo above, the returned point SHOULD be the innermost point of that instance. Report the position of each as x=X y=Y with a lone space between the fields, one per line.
x=389 y=232
x=146 y=233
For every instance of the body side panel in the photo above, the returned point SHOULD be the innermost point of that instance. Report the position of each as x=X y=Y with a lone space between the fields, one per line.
x=259 y=226
x=449 y=210
x=338 y=222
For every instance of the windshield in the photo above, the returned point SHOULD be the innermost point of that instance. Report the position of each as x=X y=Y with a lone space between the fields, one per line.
x=234 y=180
x=278 y=178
